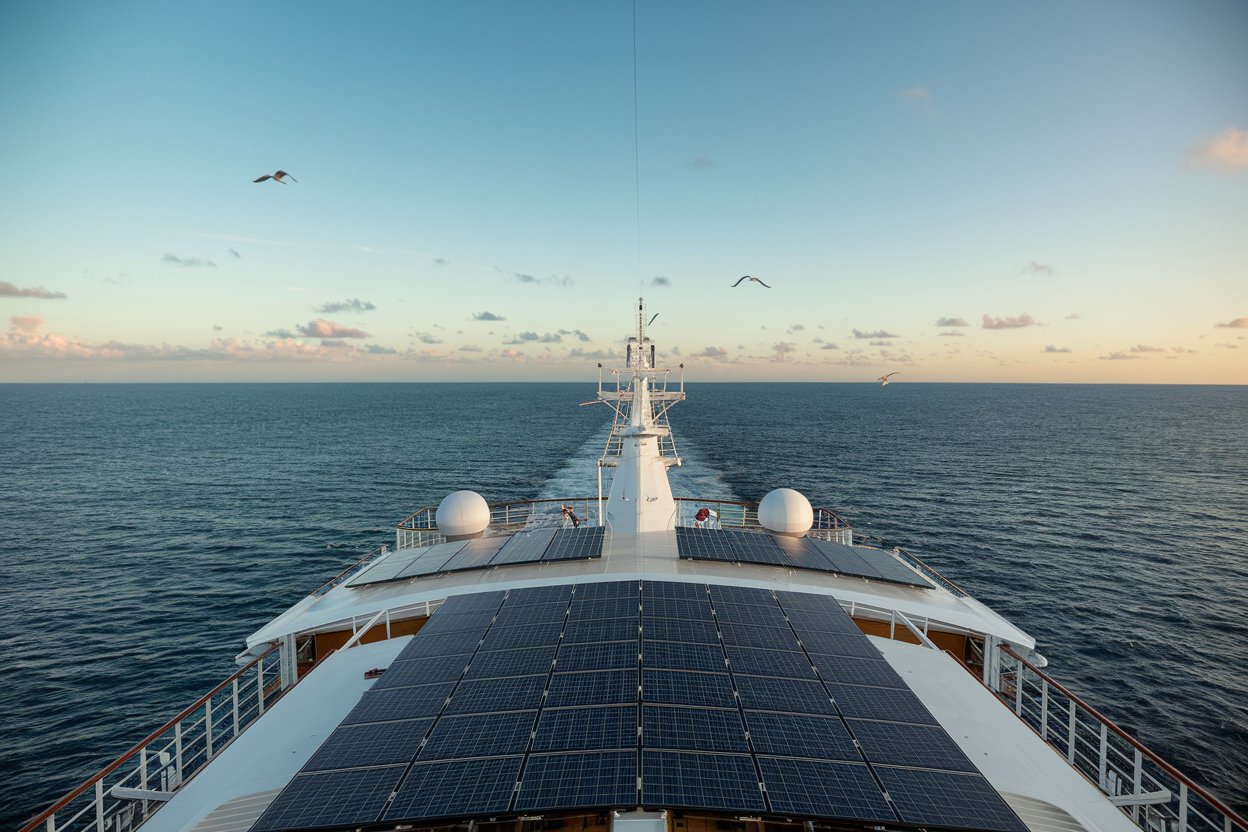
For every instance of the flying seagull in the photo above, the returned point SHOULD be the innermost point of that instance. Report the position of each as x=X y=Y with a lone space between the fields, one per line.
x=656 y=314
x=280 y=176
x=755 y=279
x=883 y=380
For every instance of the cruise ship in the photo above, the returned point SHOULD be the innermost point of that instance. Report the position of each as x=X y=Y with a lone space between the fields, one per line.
x=637 y=661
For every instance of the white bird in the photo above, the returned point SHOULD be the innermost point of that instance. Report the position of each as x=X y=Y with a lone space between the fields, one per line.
x=748 y=277
x=280 y=176
x=883 y=380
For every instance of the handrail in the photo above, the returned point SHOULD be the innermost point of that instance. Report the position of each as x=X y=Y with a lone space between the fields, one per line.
x=1230 y=814
x=138 y=747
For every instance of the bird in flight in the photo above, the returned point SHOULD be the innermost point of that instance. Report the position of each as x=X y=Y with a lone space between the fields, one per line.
x=883 y=380
x=280 y=176
x=755 y=279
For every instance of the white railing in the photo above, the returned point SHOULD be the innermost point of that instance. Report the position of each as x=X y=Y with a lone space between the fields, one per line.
x=129 y=790
x=1154 y=794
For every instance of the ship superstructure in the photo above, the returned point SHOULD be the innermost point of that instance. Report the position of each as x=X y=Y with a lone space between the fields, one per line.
x=644 y=662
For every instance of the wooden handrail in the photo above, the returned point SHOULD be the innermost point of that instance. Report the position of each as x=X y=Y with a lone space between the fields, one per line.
x=37 y=821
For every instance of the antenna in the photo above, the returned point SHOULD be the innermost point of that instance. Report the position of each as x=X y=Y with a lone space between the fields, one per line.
x=636 y=154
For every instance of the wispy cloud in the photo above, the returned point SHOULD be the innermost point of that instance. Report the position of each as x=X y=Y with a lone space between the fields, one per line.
x=781 y=350
x=1035 y=267
x=1052 y=348
x=1238 y=323
x=1226 y=151
x=8 y=290
x=917 y=94
x=952 y=333
x=1008 y=322
x=951 y=322
x=533 y=337
x=217 y=328
x=470 y=348
x=1118 y=356
x=829 y=346
x=795 y=328
x=576 y=333
x=377 y=349
x=350 y=305
x=426 y=338
x=1073 y=316
x=1146 y=348
x=701 y=163
x=440 y=261
x=661 y=282
x=487 y=316
x=531 y=280
x=188 y=262
x=1227 y=346
x=713 y=353
x=321 y=328
x=877 y=334
x=1183 y=350
x=589 y=355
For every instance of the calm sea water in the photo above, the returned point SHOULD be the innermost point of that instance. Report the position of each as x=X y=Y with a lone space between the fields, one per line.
x=145 y=530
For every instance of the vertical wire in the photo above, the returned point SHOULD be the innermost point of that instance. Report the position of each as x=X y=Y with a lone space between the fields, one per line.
x=636 y=157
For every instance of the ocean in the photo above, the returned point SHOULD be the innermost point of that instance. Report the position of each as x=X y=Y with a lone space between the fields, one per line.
x=145 y=530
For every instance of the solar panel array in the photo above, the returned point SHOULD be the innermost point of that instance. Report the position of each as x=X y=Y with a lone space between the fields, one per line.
x=653 y=694
x=532 y=546
x=794 y=552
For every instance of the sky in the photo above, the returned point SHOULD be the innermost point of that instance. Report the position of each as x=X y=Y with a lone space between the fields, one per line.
x=957 y=191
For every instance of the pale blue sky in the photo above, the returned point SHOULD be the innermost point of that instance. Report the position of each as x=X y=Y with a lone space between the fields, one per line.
x=1078 y=169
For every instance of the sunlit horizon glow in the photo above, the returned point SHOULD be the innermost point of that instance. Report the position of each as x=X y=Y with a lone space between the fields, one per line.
x=964 y=193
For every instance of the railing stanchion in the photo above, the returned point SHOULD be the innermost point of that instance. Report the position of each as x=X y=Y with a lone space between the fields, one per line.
x=99 y=804
x=1044 y=710
x=1182 y=807
x=260 y=681
x=1070 y=739
x=234 y=699
x=1018 y=689
x=207 y=729
x=1102 y=764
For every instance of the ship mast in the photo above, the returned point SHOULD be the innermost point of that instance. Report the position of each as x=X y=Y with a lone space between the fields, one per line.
x=640 y=446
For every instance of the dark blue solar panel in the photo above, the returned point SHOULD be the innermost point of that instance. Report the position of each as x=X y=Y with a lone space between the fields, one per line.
x=692 y=729
x=333 y=798
x=472 y=601
x=921 y=746
x=457 y=622
x=703 y=544
x=601 y=629
x=489 y=695
x=519 y=615
x=809 y=601
x=608 y=655
x=554 y=594
x=737 y=595
x=604 y=590
x=768 y=615
x=423 y=671
x=526 y=662
x=822 y=621
x=823 y=789
x=545 y=634
x=698 y=609
x=584 y=609
x=836 y=644
x=572 y=781
x=772 y=638
x=442 y=644
x=574 y=544
x=725 y=782
x=761 y=662
x=479 y=735
x=375 y=744
x=673 y=655
x=524 y=547
x=455 y=788
x=763 y=693
x=939 y=798
x=679 y=687
x=476 y=554
x=756 y=548
x=593 y=687
x=801 y=735
x=802 y=553
x=855 y=671
x=891 y=568
x=680 y=629
x=654 y=591
x=879 y=703
x=586 y=729
x=432 y=560
x=399 y=703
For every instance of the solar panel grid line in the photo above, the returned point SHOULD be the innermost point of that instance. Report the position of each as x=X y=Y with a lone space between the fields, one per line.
x=824 y=788
x=520 y=615
x=673 y=591
x=757 y=548
x=691 y=609
x=610 y=655
x=586 y=728
x=943 y=798
x=456 y=622
x=477 y=554
x=890 y=704
x=331 y=798
x=809 y=621
x=544 y=634
x=837 y=644
x=399 y=703
x=853 y=670
x=371 y=744
x=769 y=615
x=680 y=687
x=704 y=544
x=757 y=661
x=747 y=635
x=606 y=779
x=685 y=780
x=473 y=601
x=595 y=608
x=545 y=594
x=673 y=655
x=904 y=744
x=570 y=544
x=443 y=644
x=599 y=590
x=524 y=547
x=593 y=687
x=432 y=561
x=687 y=630
x=684 y=728
x=422 y=671
x=479 y=735
x=802 y=553
x=455 y=788
x=741 y=595
x=765 y=693
x=814 y=736
x=587 y=630
x=388 y=568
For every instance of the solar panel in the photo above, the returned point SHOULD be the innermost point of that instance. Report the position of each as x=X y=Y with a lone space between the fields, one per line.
x=801 y=735
x=823 y=789
x=822 y=621
x=456 y=788
x=652 y=591
x=432 y=561
x=726 y=782
x=940 y=798
x=573 y=544
x=457 y=622
x=604 y=590
x=593 y=687
x=845 y=559
x=586 y=729
x=333 y=798
x=379 y=743
x=704 y=544
x=761 y=662
x=679 y=687
x=855 y=671
x=490 y=695
x=762 y=693
x=512 y=615
x=476 y=554
x=692 y=729
x=524 y=547
x=875 y=564
x=551 y=594
x=737 y=595
x=496 y=663
x=692 y=609
x=772 y=638
x=891 y=568
x=810 y=601
x=680 y=629
x=584 y=609
x=399 y=703
x=769 y=615
x=607 y=655
x=571 y=781
x=879 y=703
x=472 y=601
x=922 y=746
x=479 y=735
x=673 y=655
x=523 y=635
x=751 y=547
x=442 y=644
x=601 y=629
x=801 y=553
x=836 y=644
x=423 y=671
x=387 y=567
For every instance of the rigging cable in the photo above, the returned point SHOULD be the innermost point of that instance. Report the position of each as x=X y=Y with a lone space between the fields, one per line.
x=636 y=157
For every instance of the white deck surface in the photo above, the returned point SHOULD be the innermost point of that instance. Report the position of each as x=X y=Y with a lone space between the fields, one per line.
x=269 y=753
x=1013 y=758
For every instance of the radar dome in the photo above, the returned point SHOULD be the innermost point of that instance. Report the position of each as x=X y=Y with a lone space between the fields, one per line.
x=463 y=514
x=785 y=511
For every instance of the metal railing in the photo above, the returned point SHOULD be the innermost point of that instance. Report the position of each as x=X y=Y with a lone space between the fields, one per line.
x=911 y=559
x=127 y=791
x=1154 y=794
x=351 y=571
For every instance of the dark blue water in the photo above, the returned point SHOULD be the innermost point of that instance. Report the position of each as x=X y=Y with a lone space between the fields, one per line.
x=146 y=529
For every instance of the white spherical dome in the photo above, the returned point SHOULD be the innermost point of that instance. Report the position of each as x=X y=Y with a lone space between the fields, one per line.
x=785 y=511
x=463 y=514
